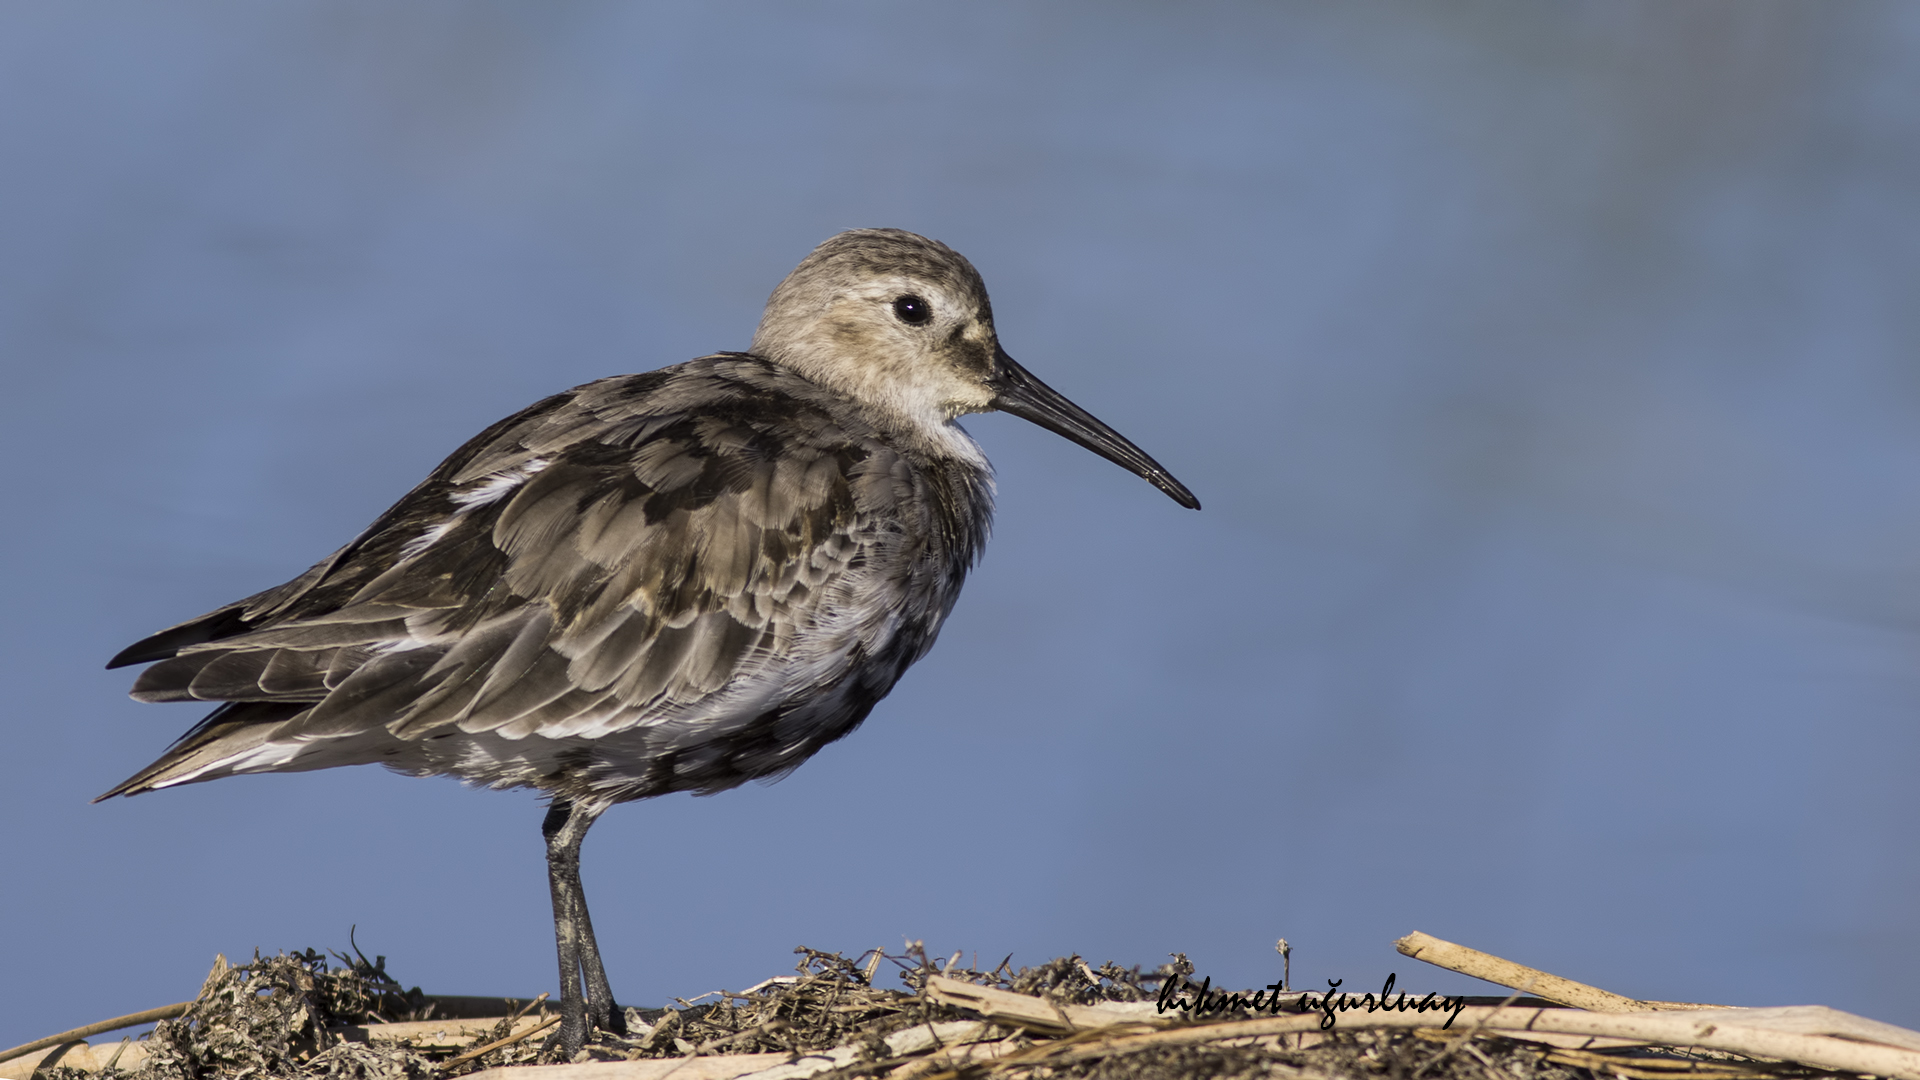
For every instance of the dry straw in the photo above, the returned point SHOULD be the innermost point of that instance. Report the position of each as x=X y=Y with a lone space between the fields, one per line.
x=300 y=1017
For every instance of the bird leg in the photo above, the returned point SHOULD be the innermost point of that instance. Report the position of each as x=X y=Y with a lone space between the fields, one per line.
x=565 y=827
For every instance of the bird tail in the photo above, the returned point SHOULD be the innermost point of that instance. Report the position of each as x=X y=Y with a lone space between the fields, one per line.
x=232 y=734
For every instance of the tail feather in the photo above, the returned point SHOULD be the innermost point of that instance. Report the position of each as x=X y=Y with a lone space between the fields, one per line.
x=228 y=732
x=212 y=626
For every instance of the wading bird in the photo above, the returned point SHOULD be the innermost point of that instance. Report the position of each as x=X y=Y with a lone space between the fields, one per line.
x=674 y=581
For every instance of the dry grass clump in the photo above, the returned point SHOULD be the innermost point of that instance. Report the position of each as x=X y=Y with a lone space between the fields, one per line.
x=268 y=1019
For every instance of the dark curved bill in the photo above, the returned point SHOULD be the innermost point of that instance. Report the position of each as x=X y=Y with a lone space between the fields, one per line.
x=1016 y=391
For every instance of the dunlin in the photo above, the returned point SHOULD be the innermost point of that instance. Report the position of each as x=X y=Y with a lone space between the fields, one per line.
x=675 y=581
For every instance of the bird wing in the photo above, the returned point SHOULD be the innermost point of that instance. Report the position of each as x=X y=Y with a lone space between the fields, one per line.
x=625 y=552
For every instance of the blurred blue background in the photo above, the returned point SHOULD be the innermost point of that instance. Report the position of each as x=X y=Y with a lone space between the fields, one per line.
x=1550 y=373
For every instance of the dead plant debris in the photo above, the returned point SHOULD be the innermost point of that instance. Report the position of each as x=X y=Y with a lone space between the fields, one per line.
x=301 y=1016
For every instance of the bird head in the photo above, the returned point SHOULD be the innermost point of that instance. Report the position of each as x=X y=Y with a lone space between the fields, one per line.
x=901 y=324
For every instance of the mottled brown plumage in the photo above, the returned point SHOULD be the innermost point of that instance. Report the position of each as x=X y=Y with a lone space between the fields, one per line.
x=622 y=591
x=675 y=581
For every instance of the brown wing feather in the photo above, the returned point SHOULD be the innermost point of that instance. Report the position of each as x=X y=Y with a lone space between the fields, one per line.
x=651 y=534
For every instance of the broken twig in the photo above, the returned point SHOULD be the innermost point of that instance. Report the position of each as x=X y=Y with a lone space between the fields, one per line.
x=164 y=1012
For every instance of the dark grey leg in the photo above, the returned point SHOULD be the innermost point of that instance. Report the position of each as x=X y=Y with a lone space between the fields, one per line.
x=565 y=827
x=601 y=1011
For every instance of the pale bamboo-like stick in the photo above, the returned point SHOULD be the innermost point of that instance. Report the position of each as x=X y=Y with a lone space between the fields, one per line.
x=428 y=1035
x=1712 y=1031
x=725 y=1067
x=1514 y=976
x=75 y=1056
x=1036 y=1014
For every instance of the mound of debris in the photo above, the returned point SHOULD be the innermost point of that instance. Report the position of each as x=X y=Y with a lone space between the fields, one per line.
x=308 y=1016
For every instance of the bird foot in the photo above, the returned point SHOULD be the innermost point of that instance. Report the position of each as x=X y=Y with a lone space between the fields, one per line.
x=575 y=1033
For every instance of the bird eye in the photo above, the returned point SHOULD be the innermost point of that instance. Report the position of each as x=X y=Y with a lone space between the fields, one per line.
x=913 y=311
